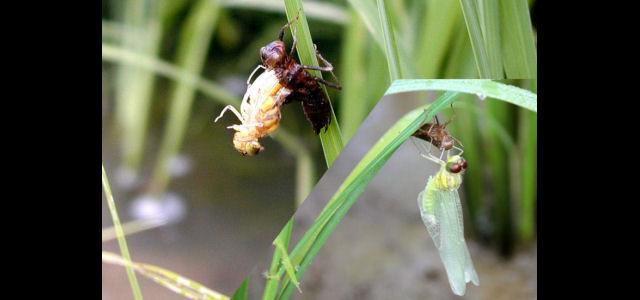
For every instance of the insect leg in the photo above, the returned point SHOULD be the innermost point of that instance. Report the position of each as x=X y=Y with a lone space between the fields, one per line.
x=233 y=110
x=281 y=34
x=454 y=115
x=459 y=149
x=455 y=139
x=327 y=68
x=432 y=158
x=254 y=71
x=333 y=85
x=295 y=40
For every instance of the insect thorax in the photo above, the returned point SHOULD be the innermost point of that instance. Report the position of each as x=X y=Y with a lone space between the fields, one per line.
x=446 y=180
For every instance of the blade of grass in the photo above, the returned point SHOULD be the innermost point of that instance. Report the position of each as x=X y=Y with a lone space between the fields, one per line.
x=331 y=139
x=390 y=47
x=529 y=144
x=472 y=19
x=460 y=63
x=353 y=109
x=518 y=45
x=321 y=11
x=273 y=279
x=286 y=262
x=438 y=28
x=377 y=76
x=500 y=180
x=160 y=67
x=192 y=50
x=490 y=25
x=134 y=85
x=122 y=242
x=132 y=227
x=243 y=291
x=368 y=12
x=174 y=282
x=356 y=182
x=497 y=90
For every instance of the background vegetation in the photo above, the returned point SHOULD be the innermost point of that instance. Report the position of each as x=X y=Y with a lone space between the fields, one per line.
x=170 y=66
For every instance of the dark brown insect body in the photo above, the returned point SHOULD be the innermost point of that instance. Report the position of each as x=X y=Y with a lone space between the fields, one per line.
x=283 y=81
x=304 y=86
x=437 y=135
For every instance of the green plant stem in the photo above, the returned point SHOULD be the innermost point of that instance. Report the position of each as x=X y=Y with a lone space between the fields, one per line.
x=390 y=46
x=273 y=279
x=192 y=51
x=356 y=182
x=121 y=55
x=321 y=11
x=331 y=139
x=529 y=144
x=520 y=55
x=490 y=25
x=438 y=28
x=122 y=243
x=353 y=77
x=471 y=17
x=134 y=87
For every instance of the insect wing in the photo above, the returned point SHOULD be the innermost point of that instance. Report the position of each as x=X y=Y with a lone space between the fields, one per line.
x=453 y=249
x=425 y=203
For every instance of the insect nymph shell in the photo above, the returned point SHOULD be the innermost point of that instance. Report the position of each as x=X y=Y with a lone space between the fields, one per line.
x=260 y=112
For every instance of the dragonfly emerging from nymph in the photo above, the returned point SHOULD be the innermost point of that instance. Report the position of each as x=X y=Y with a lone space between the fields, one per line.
x=440 y=207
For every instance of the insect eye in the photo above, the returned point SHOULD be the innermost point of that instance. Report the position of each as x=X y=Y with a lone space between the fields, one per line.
x=463 y=164
x=455 y=168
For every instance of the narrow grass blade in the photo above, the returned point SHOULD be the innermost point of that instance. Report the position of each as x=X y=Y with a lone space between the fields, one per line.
x=331 y=138
x=215 y=91
x=321 y=11
x=518 y=45
x=489 y=11
x=390 y=47
x=122 y=243
x=528 y=139
x=353 y=77
x=368 y=12
x=497 y=90
x=356 y=182
x=192 y=51
x=242 y=293
x=461 y=63
x=498 y=159
x=273 y=279
x=174 y=282
x=438 y=28
x=134 y=86
x=472 y=19
x=286 y=262
x=132 y=227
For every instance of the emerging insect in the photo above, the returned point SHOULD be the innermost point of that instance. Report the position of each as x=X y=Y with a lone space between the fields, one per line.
x=283 y=81
x=442 y=215
x=437 y=135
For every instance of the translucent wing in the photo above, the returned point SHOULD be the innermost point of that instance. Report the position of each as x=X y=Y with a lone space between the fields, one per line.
x=423 y=146
x=453 y=249
x=425 y=203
